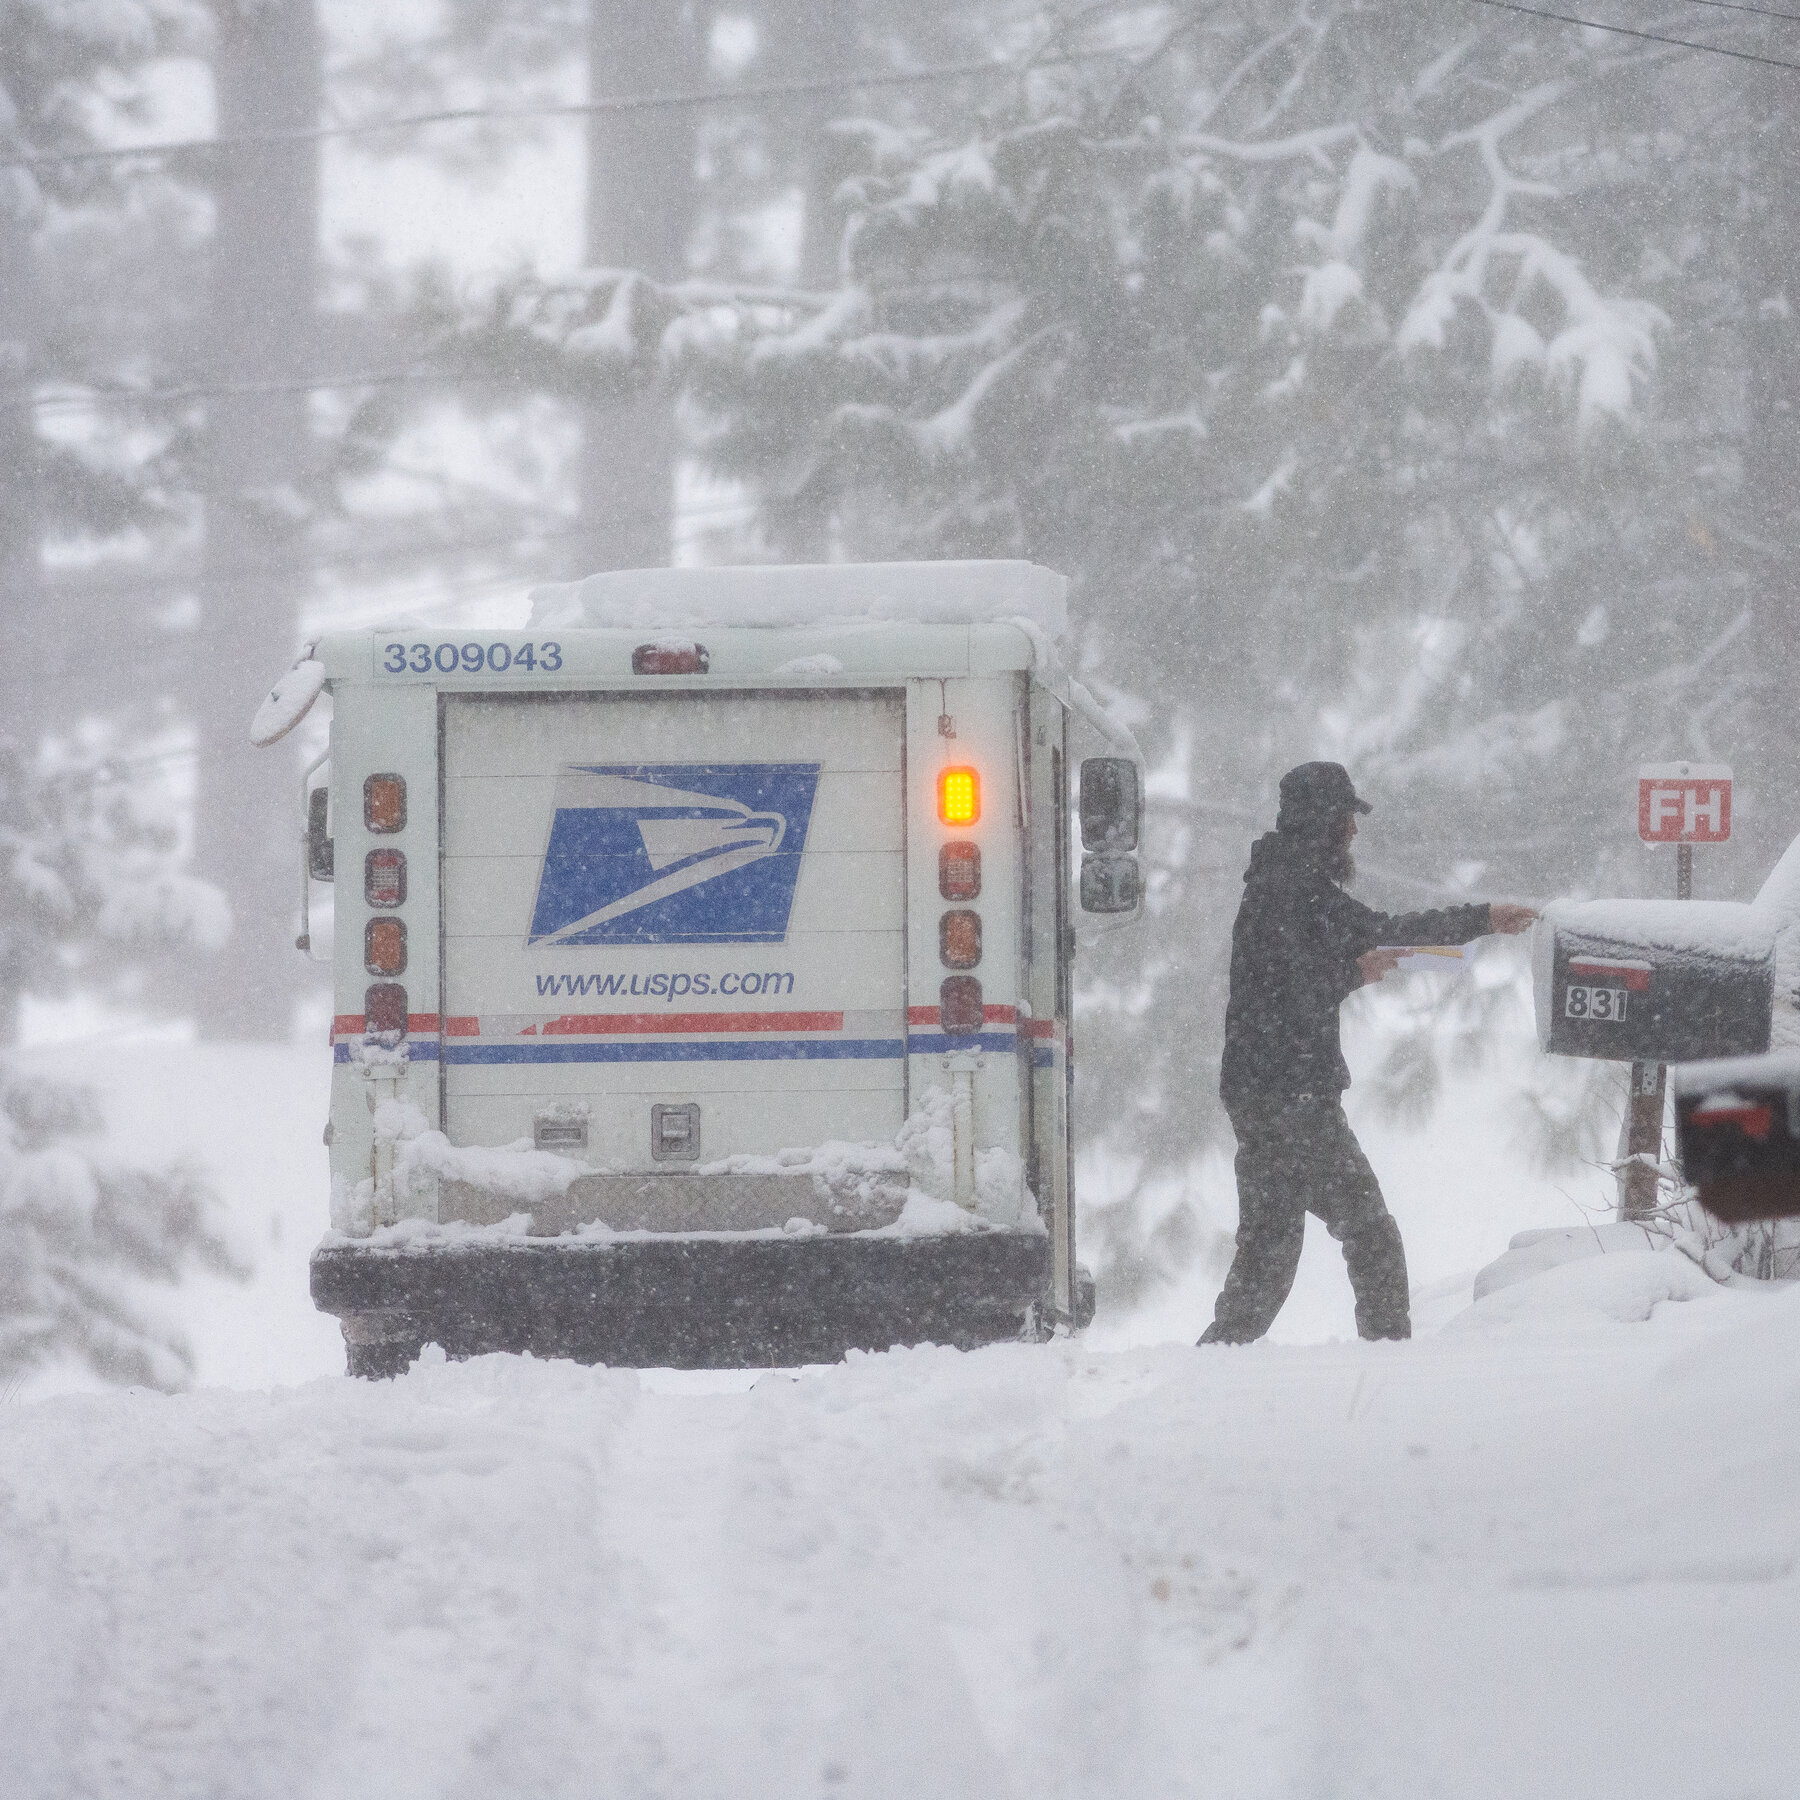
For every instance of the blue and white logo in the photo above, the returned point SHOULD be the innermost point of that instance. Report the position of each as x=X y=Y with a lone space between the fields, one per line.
x=674 y=853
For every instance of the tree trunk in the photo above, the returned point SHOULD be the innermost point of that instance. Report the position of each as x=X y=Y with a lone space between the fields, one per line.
x=640 y=206
x=31 y=635
x=812 y=40
x=1772 y=475
x=809 y=40
x=267 y=77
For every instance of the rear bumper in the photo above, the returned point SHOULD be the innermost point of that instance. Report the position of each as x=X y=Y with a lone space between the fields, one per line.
x=682 y=1302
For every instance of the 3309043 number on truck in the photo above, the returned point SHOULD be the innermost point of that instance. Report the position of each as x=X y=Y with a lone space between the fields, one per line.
x=701 y=958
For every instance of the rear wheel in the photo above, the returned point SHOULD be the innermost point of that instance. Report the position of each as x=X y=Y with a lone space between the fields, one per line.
x=1085 y=1298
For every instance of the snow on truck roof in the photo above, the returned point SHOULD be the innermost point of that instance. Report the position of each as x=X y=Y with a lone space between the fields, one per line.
x=768 y=594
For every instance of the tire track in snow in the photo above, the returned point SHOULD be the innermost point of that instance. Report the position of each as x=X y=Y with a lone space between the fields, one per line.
x=342 y=1591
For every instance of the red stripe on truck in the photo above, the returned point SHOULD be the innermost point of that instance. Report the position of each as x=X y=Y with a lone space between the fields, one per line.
x=661 y=1024
x=355 y=1024
x=990 y=1015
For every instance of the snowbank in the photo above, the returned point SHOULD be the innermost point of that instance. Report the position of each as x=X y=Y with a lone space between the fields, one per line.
x=1492 y=1564
x=1624 y=1286
x=1532 y=1252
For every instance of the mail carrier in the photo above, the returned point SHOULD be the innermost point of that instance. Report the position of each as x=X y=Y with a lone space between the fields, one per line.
x=702 y=956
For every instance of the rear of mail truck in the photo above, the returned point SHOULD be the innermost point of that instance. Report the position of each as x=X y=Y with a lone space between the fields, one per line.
x=701 y=957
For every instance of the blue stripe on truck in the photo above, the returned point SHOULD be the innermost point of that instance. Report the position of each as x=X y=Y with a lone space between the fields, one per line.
x=730 y=1050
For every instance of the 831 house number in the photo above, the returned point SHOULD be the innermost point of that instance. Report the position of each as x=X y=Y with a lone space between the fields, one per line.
x=1602 y=1003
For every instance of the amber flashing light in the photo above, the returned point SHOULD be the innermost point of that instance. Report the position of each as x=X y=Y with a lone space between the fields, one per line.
x=959 y=796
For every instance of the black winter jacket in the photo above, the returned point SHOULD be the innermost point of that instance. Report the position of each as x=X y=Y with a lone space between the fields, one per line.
x=1293 y=959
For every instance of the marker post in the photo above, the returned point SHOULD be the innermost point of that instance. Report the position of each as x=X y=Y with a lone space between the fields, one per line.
x=1683 y=804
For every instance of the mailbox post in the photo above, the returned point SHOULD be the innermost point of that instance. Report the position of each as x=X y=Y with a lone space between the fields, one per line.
x=1683 y=804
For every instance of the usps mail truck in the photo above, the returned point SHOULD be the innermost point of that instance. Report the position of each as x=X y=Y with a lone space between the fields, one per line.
x=702 y=960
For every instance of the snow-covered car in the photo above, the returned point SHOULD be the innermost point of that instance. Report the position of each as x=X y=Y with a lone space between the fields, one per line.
x=702 y=955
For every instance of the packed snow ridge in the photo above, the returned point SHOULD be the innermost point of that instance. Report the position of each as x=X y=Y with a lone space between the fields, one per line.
x=1548 y=1554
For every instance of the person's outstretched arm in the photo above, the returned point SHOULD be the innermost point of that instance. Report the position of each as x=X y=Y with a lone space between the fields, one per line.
x=1442 y=925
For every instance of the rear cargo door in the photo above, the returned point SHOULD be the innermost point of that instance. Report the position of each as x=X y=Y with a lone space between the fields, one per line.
x=674 y=911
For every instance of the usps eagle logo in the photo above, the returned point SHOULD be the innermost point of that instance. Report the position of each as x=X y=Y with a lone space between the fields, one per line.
x=673 y=853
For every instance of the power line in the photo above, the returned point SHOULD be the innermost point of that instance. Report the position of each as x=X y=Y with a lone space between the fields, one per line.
x=126 y=581
x=226 y=389
x=451 y=591
x=1654 y=37
x=575 y=109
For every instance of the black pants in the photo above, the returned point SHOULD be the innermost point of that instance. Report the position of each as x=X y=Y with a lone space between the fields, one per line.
x=1298 y=1155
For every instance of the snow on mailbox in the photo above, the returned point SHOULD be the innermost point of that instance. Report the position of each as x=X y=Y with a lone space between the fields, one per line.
x=1653 y=980
x=1684 y=803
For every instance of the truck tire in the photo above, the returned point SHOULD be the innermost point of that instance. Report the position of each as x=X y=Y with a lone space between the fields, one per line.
x=1085 y=1298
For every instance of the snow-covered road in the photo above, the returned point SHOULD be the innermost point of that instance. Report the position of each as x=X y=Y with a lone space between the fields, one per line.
x=1548 y=1555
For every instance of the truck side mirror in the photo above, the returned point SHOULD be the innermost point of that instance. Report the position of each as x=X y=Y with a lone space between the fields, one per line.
x=1111 y=884
x=1112 y=807
x=320 y=851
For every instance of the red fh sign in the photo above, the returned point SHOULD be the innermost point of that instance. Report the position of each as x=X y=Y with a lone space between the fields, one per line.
x=1684 y=803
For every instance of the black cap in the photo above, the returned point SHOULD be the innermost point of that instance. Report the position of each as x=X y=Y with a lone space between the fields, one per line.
x=1315 y=794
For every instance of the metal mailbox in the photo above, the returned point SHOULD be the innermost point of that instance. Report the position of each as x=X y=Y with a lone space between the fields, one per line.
x=1653 y=980
x=1737 y=1133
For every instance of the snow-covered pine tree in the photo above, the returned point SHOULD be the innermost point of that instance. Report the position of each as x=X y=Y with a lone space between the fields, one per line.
x=89 y=886
x=91 y=892
x=1323 y=351
x=1376 y=376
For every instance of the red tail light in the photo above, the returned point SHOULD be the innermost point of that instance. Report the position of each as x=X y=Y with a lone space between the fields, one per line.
x=384 y=877
x=959 y=1005
x=384 y=803
x=959 y=939
x=670 y=659
x=384 y=1007
x=959 y=871
x=384 y=946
